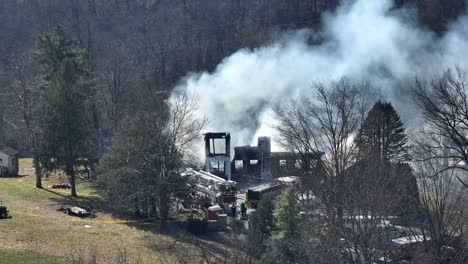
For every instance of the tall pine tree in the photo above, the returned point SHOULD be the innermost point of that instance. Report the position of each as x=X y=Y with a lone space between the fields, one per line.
x=382 y=135
x=260 y=227
x=381 y=171
x=284 y=245
x=62 y=140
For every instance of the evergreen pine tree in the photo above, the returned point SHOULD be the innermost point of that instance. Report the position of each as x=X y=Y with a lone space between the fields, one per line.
x=62 y=139
x=381 y=169
x=382 y=135
x=284 y=245
x=260 y=227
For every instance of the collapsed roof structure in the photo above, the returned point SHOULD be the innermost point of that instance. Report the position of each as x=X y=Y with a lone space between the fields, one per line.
x=260 y=160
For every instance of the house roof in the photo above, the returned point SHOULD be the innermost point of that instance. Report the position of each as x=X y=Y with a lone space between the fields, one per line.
x=9 y=151
x=262 y=187
x=410 y=240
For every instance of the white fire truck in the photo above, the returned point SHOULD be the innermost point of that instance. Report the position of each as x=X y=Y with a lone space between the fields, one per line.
x=219 y=190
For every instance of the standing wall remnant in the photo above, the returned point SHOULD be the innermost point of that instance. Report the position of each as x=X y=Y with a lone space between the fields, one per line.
x=214 y=159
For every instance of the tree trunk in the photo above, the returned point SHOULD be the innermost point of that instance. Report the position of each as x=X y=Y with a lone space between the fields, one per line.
x=38 y=169
x=72 y=183
x=71 y=172
x=38 y=180
x=163 y=207
x=38 y=172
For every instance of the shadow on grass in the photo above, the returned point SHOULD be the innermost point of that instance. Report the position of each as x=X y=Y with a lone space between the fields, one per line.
x=54 y=192
x=94 y=200
x=187 y=247
x=97 y=203
x=13 y=177
x=183 y=244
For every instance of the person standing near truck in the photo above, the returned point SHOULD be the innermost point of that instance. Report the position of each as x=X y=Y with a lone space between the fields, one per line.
x=243 y=209
x=233 y=210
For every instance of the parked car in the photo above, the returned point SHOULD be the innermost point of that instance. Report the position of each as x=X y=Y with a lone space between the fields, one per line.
x=405 y=248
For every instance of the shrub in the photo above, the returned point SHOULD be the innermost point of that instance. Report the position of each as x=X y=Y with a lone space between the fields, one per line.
x=197 y=226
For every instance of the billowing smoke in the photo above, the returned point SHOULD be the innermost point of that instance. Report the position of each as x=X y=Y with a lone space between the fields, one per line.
x=361 y=40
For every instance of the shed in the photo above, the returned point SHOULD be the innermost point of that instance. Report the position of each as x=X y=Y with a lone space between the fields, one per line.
x=9 y=162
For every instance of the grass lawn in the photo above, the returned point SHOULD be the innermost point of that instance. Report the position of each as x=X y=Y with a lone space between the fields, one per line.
x=16 y=257
x=24 y=187
x=26 y=163
x=38 y=233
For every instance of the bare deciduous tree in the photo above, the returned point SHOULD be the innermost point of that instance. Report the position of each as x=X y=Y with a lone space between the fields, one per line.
x=142 y=168
x=27 y=100
x=444 y=104
x=26 y=96
x=443 y=203
x=184 y=125
x=326 y=123
x=355 y=191
x=116 y=84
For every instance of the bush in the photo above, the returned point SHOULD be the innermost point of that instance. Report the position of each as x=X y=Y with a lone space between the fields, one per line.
x=237 y=226
x=197 y=226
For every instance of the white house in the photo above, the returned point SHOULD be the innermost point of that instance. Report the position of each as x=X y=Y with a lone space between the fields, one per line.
x=9 y=165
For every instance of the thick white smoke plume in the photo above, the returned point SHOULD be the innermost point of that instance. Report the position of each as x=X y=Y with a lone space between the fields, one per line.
x=362 y=40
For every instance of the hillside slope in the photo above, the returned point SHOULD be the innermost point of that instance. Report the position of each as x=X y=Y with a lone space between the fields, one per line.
x=38 y=232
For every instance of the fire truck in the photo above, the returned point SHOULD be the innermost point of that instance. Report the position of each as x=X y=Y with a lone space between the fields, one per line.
x=271 y=190
x=219 y=190
x=267 y=190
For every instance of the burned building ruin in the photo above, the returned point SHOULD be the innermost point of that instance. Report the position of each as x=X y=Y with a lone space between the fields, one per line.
x=260 y=161
x=254 y=161
x=218 y=154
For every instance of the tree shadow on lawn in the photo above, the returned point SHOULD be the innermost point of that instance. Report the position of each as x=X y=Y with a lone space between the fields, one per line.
x=96 y=200
x=188 y=248
x=185 y=245
x=19 y=176
x=97 y=203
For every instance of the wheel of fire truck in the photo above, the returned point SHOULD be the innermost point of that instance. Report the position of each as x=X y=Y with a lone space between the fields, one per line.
x=3 y=215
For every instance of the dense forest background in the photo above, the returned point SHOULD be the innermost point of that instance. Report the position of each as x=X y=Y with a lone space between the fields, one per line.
x=139 y=49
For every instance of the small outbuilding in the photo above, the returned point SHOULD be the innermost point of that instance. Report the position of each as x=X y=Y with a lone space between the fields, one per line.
x=9 y=162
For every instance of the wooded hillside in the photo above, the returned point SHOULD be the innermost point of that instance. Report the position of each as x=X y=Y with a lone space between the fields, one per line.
x=140 y=48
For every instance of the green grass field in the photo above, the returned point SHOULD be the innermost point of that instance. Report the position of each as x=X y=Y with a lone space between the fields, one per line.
x=38 y=233
x=10 y=256
x=26 y=163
